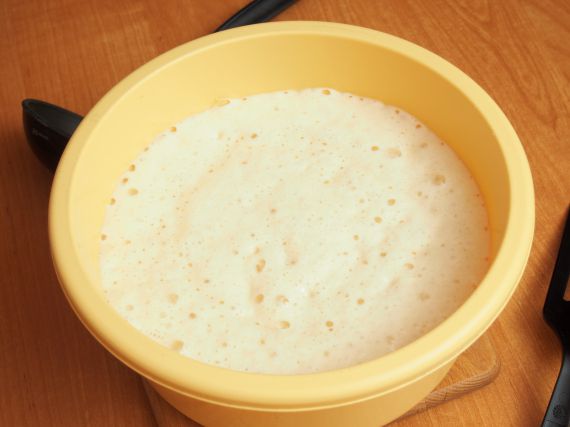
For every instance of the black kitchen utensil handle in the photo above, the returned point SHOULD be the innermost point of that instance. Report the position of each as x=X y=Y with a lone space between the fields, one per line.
x=255 y=12
x=561 y=273
x=556 y=314
x=48 y=127
x=558 y=412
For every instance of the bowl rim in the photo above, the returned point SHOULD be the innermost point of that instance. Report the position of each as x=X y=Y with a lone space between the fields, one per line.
x=419 y=359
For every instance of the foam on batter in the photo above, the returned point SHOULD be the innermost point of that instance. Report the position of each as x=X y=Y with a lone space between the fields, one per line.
x=293 y=232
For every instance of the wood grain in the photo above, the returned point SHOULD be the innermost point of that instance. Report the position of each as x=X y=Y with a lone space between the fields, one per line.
x=71 y=52
x=473 y=370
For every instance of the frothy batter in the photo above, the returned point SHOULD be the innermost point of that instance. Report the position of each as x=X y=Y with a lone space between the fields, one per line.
x=293 y=232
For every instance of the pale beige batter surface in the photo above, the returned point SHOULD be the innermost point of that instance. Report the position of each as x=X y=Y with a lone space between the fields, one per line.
x=293 y=232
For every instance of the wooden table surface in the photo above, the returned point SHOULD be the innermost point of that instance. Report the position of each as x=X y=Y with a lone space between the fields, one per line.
x=70 y=52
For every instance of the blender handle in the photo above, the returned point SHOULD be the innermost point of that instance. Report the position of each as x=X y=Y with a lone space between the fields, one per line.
x=255 y=12
x=48 y=128
x=558 y=411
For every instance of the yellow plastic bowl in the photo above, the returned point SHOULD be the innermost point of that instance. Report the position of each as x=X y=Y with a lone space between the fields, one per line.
x=264 y=58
